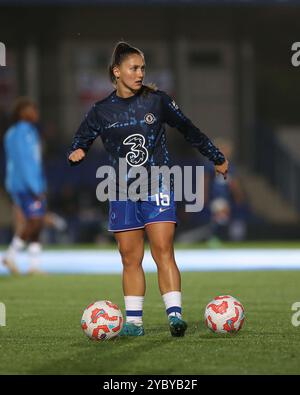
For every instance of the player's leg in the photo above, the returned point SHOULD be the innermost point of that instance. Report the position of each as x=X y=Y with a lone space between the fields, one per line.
x=161 y=237
x=17 y=243
x=31 y=234
x=34 y=209
x=32 y=229
x=131 y=247
x=53 y=220
x=19 y=219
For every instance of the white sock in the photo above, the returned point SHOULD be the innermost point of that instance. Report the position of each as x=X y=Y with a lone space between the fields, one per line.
x=173 y=303
x=16 y=245
x=134 y=309
x=34 y=251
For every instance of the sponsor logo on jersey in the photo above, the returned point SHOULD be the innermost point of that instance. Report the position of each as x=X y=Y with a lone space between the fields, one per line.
x=138 y=153
x=175 y=105
x=112 y=125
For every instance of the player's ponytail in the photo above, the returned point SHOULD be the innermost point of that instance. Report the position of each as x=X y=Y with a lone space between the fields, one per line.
x=120 y=53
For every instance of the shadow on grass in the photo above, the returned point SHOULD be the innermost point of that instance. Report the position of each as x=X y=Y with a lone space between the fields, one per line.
x=126 y=355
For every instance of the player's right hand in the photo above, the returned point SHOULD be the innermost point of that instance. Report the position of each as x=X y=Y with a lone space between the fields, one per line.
x=222 y=169
x=77 y=155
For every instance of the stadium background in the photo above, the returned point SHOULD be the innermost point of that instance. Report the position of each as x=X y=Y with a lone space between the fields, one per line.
x=228 y=65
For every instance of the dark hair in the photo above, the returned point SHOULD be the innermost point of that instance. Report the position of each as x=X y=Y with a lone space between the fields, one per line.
x=120 y=53
x=19 y=105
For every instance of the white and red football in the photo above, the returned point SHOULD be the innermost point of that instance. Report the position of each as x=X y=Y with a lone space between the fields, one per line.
x=102 y=320
x=224 y=314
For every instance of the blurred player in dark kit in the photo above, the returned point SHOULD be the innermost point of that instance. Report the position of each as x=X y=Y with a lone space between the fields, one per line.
x=226 y=199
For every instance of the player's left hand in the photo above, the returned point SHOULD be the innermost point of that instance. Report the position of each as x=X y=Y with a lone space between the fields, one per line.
x=222 y=169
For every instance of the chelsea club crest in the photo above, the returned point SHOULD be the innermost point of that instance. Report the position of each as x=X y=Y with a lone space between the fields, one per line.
x=149 y=118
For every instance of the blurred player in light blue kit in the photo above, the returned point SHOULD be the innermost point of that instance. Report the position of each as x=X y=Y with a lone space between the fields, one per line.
x=25 y=182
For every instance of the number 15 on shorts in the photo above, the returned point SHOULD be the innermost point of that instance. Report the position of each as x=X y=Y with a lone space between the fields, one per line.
x=162 y=199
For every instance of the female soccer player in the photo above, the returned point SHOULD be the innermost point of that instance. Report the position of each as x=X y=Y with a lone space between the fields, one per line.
x=130 y=122
x=26 y=184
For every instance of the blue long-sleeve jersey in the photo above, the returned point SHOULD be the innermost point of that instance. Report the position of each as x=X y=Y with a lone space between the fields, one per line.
x=134 y=128
x=24 y=172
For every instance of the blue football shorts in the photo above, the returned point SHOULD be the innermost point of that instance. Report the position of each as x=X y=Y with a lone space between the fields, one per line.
x=31 y=205
x=130 y=215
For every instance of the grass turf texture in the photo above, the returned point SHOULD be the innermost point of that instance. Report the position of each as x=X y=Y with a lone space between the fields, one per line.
x=43 y=334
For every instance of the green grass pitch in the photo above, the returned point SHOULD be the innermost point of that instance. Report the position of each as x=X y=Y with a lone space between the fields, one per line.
x=43 y=333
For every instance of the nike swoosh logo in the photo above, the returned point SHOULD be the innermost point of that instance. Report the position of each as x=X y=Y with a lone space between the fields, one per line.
x=163 y=209
x=112 y=125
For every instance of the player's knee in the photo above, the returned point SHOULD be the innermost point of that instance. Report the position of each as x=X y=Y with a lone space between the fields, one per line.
x=131 y=261
x=162 y=253
x=131 y=257
x=34 y=228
